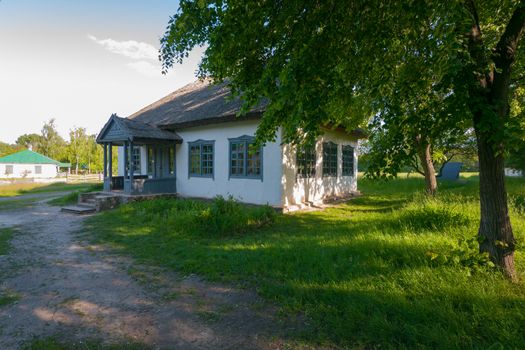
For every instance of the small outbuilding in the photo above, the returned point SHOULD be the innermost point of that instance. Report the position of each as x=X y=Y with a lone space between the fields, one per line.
x=28 y=164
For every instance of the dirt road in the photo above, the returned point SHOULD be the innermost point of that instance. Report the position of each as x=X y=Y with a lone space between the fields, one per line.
x=76 y=291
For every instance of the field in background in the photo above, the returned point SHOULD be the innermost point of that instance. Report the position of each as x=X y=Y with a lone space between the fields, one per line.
x=391 y=269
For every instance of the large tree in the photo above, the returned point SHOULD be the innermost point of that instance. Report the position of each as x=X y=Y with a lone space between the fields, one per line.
x=29 y=141
x=79 y=147
x=333 y=62
x=51 y=143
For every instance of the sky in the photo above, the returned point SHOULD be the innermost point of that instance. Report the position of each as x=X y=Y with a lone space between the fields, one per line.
x=80 y=61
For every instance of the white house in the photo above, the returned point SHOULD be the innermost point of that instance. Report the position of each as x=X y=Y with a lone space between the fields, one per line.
x=30 y=165
x=191 y=143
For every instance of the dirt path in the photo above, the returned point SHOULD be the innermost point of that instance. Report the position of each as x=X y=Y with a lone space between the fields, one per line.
x=35 y=196
x=72 y=290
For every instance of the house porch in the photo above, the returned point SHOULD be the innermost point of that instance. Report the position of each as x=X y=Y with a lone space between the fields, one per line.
x=160 y=176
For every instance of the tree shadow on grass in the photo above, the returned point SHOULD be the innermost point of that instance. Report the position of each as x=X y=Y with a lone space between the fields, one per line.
x=359 y=271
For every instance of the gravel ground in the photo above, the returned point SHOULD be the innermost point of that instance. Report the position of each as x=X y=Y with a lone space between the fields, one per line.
x=75 y=291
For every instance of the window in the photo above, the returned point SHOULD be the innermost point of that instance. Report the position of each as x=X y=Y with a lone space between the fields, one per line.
x=201 y=158
x=245 y=158
x=329 y=159
x=306 y=159
x=8 y=169
x=348 y=160
x=136 y=160
x=38 y=169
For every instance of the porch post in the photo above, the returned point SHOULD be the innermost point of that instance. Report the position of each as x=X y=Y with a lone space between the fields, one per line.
x=110 y=170
x=131 y=165
x=126 y=160
x=105 y=160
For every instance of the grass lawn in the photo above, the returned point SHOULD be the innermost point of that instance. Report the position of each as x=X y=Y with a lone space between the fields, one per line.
x=390 y=269
x=30 y=188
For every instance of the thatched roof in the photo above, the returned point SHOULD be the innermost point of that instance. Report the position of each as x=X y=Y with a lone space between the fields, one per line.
x=202 y=103
x=195 y=104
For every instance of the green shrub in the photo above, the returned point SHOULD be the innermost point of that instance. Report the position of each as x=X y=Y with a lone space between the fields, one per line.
x=225 y=217
x=262 y=216
x=464 y=254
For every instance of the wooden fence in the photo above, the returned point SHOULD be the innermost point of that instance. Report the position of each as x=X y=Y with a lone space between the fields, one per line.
x=84 y=178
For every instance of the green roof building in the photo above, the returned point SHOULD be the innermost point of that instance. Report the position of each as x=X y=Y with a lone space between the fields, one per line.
x=29 y=164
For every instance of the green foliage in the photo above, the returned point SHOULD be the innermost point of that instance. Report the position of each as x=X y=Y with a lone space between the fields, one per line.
x=6 y=149
x=51 y=144
x=465 y=254
x=321 y=63
x=225 y=217
x=360 y=274
x=30 y=141
x=81 y=150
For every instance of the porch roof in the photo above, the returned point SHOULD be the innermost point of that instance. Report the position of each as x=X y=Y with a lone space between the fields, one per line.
x=121 y=129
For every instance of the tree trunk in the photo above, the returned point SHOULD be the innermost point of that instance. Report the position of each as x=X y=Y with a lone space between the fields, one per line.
x=490 y=107
x=495 y=230
x=76 y=166
x=425 y=157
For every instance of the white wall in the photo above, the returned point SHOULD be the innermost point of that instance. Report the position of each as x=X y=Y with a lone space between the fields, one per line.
x=246 y=190
x=279 y=186
x=297 y=190
x=28 y=171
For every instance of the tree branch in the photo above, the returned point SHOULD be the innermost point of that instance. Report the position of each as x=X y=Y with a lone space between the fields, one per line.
x=504 y=56
x=506 y=48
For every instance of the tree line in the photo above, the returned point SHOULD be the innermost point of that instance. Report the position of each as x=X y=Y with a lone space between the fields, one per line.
x=80 y=149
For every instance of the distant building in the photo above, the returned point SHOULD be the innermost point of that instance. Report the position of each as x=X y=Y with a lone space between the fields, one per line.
x=30 y=165
x=513 y=172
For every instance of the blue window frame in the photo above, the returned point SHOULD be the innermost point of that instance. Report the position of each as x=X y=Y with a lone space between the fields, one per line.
x=329 y=159
x=306 y=160
x=245 y=158
x=348 y=160
x=201 y=158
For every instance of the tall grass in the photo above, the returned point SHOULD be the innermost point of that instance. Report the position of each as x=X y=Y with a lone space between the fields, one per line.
x=391 y=269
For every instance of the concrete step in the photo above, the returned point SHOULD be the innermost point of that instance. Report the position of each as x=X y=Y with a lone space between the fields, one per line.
x=79 y=209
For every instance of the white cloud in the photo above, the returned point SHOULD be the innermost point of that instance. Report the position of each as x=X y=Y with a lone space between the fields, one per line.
x=130 y=48
x=146 y=68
